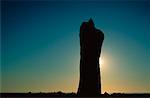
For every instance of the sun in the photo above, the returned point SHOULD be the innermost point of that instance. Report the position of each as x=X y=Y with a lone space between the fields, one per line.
x=101 y=61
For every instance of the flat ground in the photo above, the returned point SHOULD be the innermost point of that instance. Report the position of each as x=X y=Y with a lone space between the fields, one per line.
x=60 y=94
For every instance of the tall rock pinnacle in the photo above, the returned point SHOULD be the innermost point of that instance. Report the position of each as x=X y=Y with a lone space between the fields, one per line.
x=91 y=40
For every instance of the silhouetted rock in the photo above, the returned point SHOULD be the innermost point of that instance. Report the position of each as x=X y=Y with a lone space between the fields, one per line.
x=106 y=94
x=91 y=40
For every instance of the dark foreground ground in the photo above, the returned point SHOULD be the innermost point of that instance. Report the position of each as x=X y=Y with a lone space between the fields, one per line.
x=60 y=94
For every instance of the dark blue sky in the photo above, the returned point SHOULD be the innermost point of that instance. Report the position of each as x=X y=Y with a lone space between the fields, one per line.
x=41 y=51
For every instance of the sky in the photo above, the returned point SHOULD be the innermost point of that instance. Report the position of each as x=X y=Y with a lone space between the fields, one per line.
x=40 y=49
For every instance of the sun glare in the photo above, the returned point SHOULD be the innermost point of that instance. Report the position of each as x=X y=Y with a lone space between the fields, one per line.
x=101 y=61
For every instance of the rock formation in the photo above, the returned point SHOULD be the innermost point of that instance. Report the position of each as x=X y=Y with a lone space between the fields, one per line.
x=91 y=40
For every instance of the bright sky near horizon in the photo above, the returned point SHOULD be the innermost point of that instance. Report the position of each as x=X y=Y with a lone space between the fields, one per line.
x=41 y=49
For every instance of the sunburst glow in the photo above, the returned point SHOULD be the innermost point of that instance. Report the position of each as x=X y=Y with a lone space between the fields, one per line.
x=101 y=61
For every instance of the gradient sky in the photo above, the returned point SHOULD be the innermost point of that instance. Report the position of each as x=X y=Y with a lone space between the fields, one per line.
x=41 y=50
